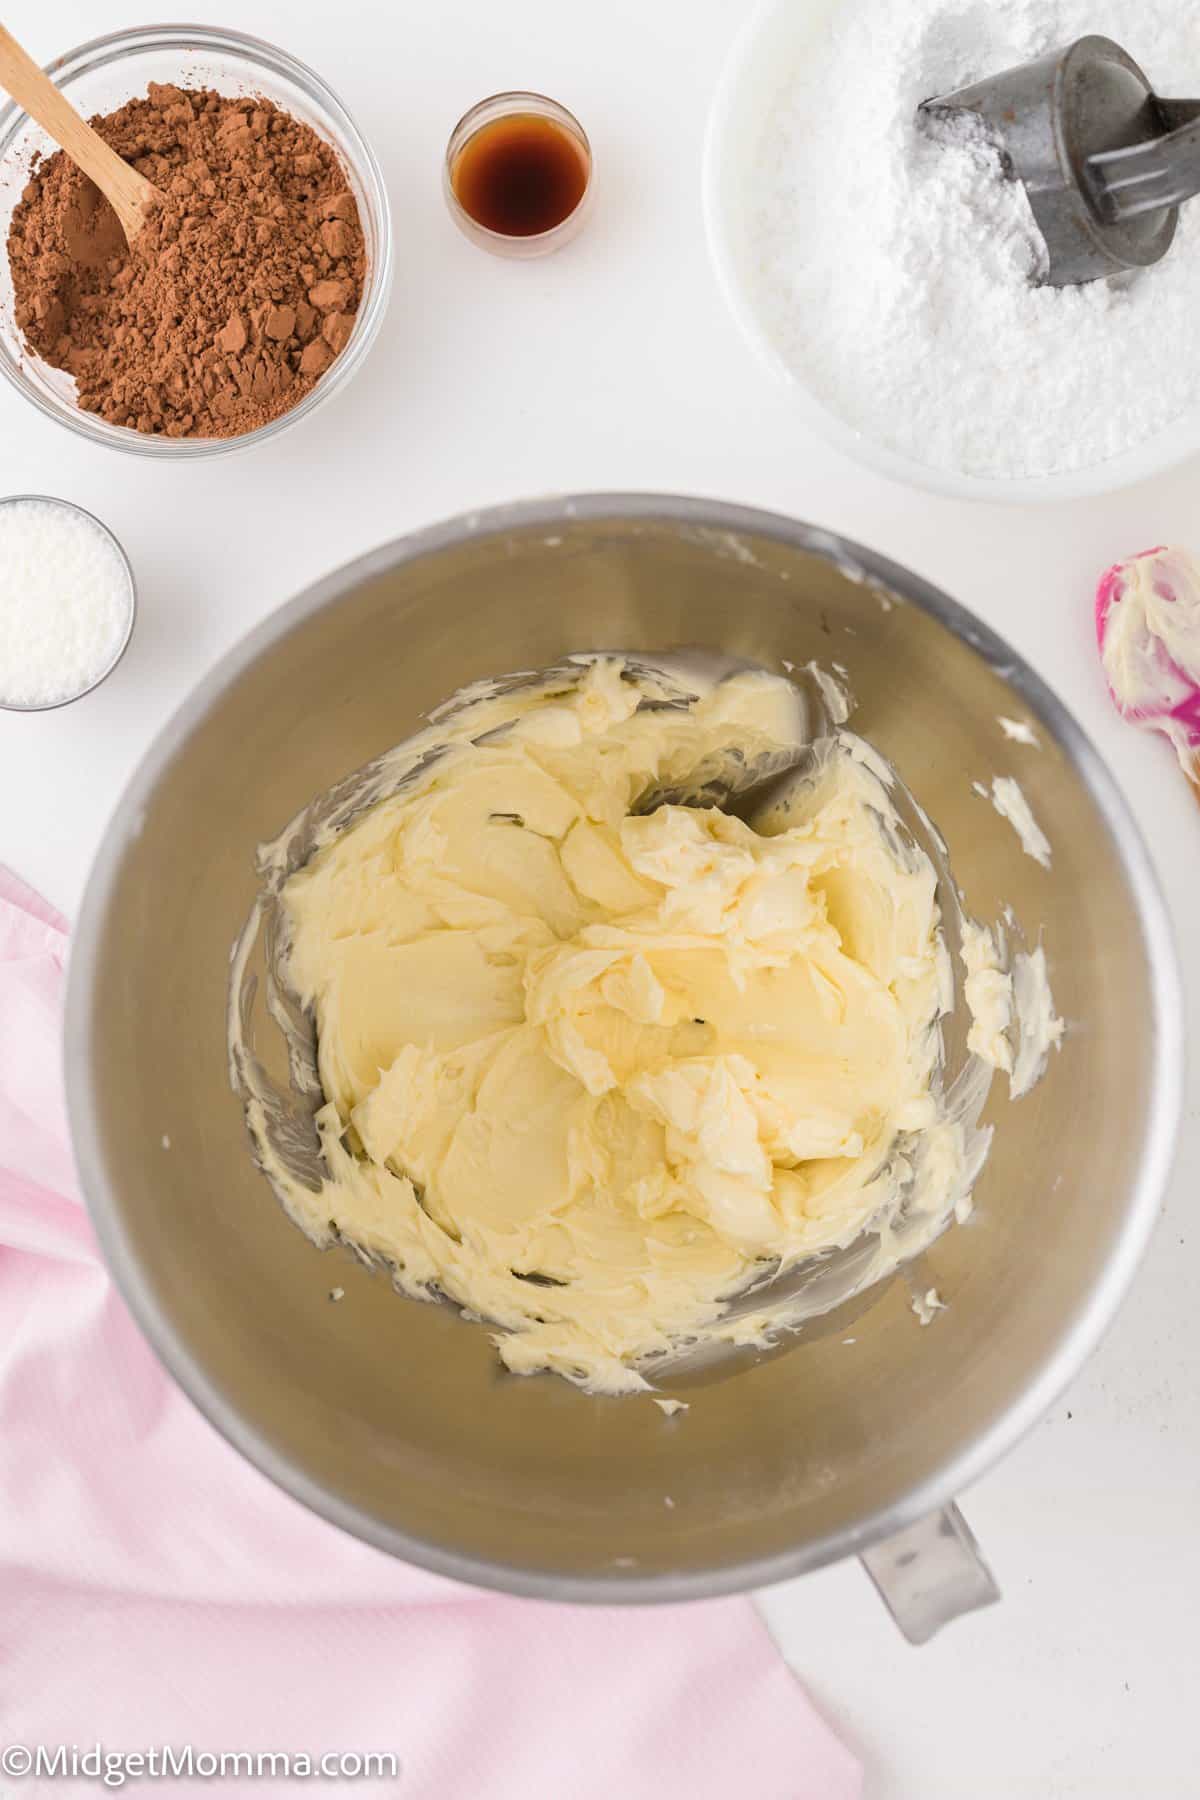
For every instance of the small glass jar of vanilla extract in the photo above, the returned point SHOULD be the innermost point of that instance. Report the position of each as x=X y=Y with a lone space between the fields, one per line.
x=518 y=175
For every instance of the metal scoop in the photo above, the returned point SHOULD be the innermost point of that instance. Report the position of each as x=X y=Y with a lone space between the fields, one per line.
x=1106 y=163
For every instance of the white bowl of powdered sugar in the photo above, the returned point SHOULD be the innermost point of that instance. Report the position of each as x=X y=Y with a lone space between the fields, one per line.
x=891 y=280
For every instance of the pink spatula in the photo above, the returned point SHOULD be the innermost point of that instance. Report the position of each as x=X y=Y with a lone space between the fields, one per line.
x=1148 y=629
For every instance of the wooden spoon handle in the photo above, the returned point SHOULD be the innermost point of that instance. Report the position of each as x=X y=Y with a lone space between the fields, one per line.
x=129 y=194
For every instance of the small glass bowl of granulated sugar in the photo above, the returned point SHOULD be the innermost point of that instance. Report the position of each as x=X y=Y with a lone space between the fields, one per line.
x=67 y=602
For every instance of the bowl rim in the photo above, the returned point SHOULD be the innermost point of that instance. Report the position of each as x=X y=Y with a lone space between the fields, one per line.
x=1155 y=455
x=114 y=47
x=978 y=1453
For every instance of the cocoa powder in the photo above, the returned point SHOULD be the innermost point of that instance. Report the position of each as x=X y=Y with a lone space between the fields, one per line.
x=238 y=292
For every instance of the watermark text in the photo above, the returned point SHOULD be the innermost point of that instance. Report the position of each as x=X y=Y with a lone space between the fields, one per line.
x=113 y=1768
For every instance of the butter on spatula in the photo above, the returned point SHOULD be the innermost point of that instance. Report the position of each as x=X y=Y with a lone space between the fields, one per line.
x=1148 y=630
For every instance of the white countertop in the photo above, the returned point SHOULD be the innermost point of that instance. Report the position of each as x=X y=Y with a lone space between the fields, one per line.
x=615 y=366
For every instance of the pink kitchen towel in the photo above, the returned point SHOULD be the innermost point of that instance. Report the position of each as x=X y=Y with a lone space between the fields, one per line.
x=157 y=1593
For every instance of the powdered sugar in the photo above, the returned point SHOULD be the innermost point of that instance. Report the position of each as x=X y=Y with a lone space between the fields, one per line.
x=895 y=270
x=65 y=602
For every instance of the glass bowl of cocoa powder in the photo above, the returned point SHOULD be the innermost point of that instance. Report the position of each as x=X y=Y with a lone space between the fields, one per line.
x=253 y=297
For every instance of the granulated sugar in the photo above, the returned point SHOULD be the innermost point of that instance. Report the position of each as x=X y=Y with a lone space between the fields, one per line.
x=896 y=271
x=65 y=602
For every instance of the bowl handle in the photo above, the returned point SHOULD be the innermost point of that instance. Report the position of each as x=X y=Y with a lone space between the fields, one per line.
x=930 y=1572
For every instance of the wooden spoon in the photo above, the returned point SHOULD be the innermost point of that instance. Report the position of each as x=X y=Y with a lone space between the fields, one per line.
x=129 y=194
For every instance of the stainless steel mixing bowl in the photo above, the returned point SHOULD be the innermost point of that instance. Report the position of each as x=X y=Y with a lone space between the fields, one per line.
x=393 y=1418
